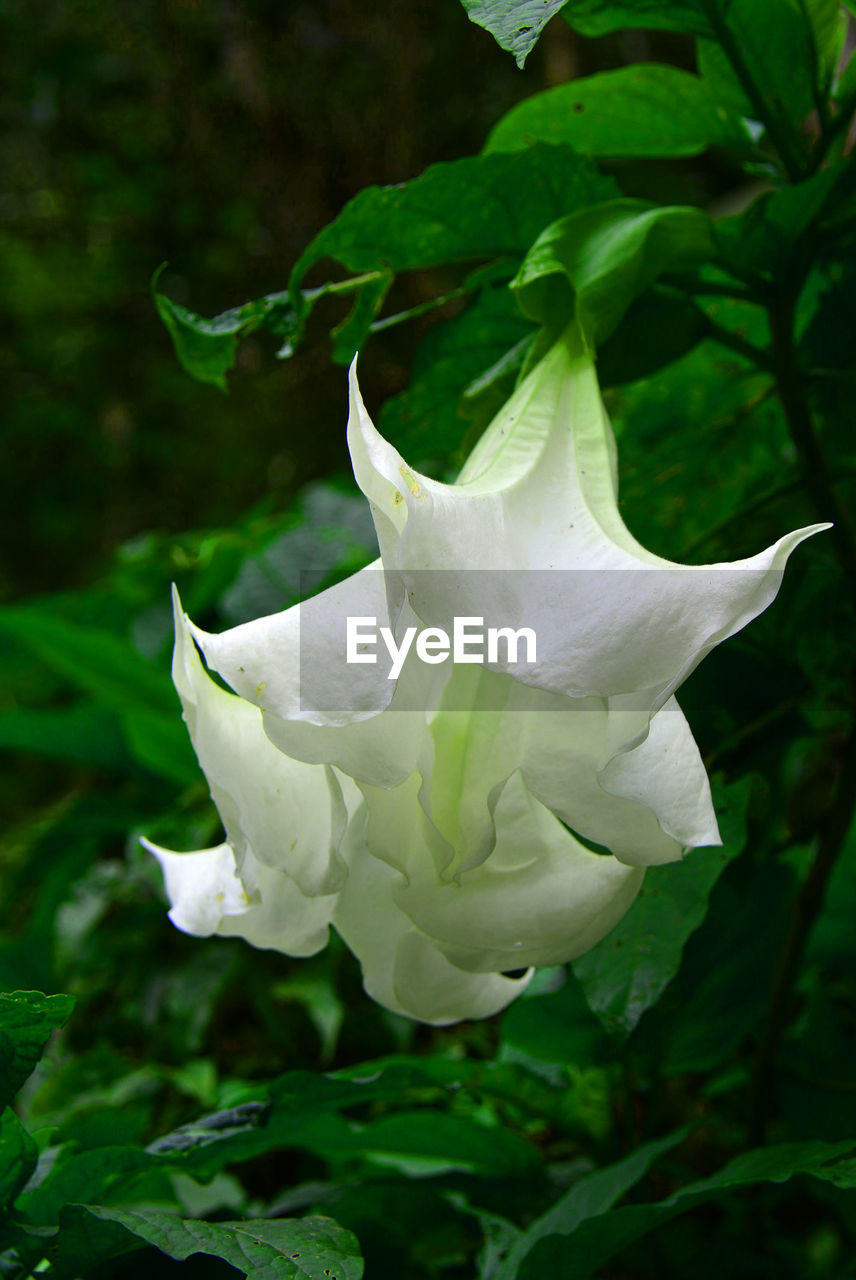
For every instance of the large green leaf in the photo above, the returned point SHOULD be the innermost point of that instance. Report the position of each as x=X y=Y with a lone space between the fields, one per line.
x=597 y=1239
x=629 y=969
x=27 y=1019
x=288 y=1249
x=762 y=63
x=18 y=1154
x=476 y=209
x=473 y=209
x=599 y=260
x=644 y=110
x=599 y=17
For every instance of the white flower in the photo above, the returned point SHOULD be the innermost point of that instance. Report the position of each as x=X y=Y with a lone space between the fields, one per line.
x=427 y=818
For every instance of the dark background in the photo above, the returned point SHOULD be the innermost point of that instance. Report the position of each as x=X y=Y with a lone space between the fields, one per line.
x=218 y=137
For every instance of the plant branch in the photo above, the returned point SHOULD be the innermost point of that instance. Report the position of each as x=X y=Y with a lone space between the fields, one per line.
x=727 y=338
x=815 y=476
x=804 y=912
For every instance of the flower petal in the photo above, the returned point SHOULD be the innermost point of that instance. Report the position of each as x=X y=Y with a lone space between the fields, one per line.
x=286 y=814
x=537 y=504
x=402 y=969
x=263 y=906
x=203 y=887
x=541 y=898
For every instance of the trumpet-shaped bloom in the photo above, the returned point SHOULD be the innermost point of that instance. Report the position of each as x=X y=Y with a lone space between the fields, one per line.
x=441 y=821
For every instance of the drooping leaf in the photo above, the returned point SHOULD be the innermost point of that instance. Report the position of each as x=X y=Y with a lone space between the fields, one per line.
x=288 y=1249
x=27 y=1019
x=18 y=1153
x=206 y=348
x=597 y=1239
x=478 y=209
x=629 y=969
x=599 y=260
x=514 y=24
x=647 y=109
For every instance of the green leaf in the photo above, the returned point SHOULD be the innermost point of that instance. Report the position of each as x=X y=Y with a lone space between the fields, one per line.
x=27 y=1019
x=600 y=17
x=656 y=329
x=75 y=1176
x=517 y=24
x=556 y=1027
x=597 y=1239
x=475 y=209
x=432 y=1141
x=160 y=744
x=97 y=661
x=514 y=24
x=762 y=65
x=599 y=260
x=303 y=1114
x=349 y=335
x=593 y=1195
x=627 y=971
x=767 y=236
x=119 y=678
x=306 y=1248
x=18 y=1154
x=644 y=110
x=206 y=348
x=82 y=734
x=457 y=378
x=827 y=24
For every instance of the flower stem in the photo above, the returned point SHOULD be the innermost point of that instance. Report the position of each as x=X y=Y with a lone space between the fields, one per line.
x=832 y=830
x=778 y=130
